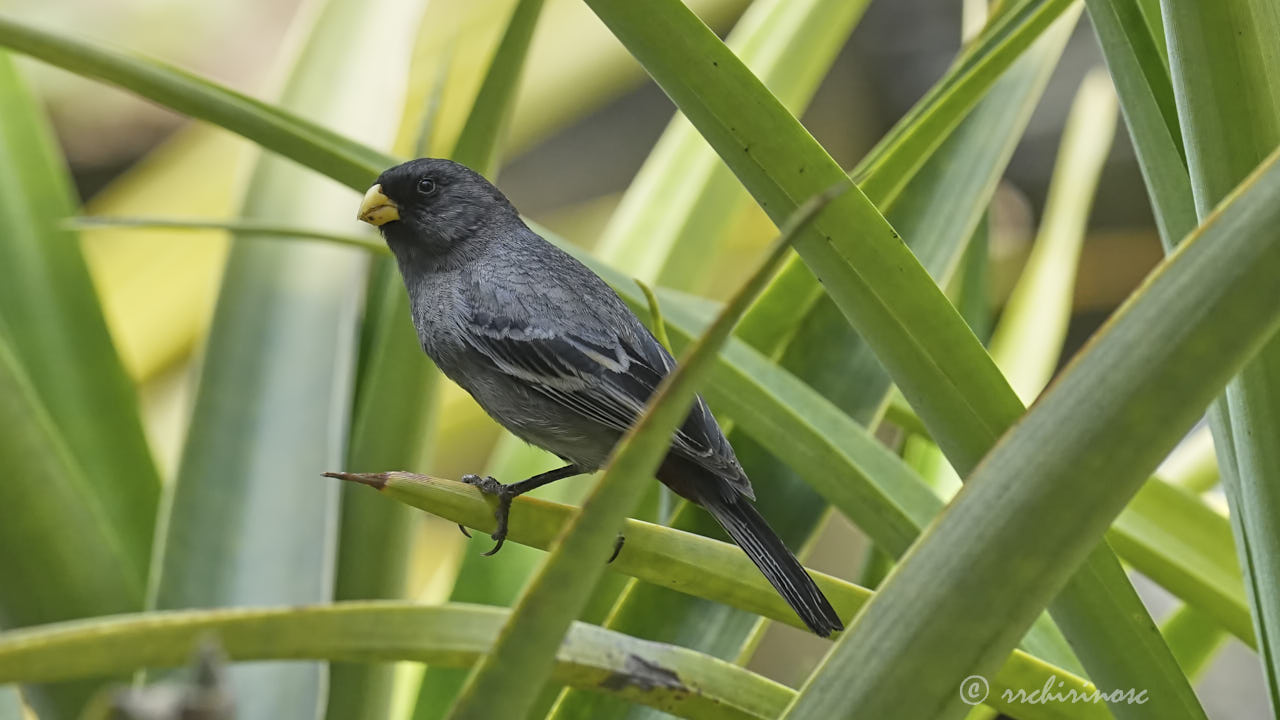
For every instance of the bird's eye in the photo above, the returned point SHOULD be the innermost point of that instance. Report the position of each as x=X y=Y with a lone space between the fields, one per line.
x=426 y=186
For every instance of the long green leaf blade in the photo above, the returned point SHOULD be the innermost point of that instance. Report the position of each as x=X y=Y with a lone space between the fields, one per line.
x=478 y=147
x=456 y=635
x=246 y=524
x=348 y=162
x=665 y=230
x=1105 y=424
x=1139 y=71
x=1033 y=326
x=1226 y=81
x=63 y=558
x=51 y=322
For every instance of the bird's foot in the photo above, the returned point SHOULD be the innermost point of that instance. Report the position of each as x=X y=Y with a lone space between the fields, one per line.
x=504 y=493
x=617 y=548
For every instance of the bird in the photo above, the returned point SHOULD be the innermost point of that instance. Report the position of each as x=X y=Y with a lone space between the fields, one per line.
x=552 y=353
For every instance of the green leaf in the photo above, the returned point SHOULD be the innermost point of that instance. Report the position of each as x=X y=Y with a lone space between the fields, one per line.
x=391 y=422
x=1140 y=73
x=479 y=145
x=1033 y=326
x=10 y=703
x=1034 y=509
x=1184 y=545
x=392 y=419
x=507 y=682
x=53 y=325
x=347 y=161
x=679 y=681
x=894 y=160
x=1194 y=638
x=790 y=46
x=781 y=164
x=887 y=296
x=669 y=223
x=66 y=558
x=1226 y=80
x=687 y=562
x=246 y=524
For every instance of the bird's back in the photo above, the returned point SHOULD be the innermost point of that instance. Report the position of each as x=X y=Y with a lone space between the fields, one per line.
x=552 y=352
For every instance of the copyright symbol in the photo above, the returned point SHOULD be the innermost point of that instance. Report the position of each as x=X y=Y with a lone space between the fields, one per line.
x=974 y=689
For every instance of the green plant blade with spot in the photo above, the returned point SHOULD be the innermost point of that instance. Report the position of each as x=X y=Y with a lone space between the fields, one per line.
x=455 y=635
x=673 y=679
x=684 y=561
x=1063 y=472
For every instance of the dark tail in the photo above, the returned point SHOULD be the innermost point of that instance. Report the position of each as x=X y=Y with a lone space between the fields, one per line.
x=749 y=530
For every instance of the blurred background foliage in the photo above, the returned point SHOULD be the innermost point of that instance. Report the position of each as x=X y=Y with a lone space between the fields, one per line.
x=582 y=124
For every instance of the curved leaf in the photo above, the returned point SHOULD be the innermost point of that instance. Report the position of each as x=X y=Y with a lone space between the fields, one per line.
x=1045 y=494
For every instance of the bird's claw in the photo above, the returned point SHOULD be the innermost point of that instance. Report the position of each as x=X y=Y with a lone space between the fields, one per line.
x=490 y=486
x=617 y=548
x=464 y=530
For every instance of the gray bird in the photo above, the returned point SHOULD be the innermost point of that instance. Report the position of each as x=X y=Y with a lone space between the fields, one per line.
x=554 y=355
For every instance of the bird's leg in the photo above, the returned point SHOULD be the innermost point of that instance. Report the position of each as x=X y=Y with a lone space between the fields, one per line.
x=617 y=548
x=505 y=493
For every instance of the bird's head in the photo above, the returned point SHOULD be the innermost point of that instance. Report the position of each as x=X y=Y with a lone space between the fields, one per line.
x=431 y=205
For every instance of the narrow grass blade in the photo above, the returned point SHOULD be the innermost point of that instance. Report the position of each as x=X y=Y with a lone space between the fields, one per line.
x=1009 y=33
x=240 y=227
x=1141 y=76
x=508 y=681
x=277 y=374
x=684 y=561
x=1181 y=543
x=1048 y=490
x=1033 y=326
x=1226 y=80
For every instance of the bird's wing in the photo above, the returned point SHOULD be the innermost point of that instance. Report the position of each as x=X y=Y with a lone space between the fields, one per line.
x=601 y=376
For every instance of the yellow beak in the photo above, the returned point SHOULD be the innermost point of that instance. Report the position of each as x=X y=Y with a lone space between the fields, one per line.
x=377 y=209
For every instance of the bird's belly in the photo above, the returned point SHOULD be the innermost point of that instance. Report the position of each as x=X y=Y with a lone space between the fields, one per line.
x=539 y=421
